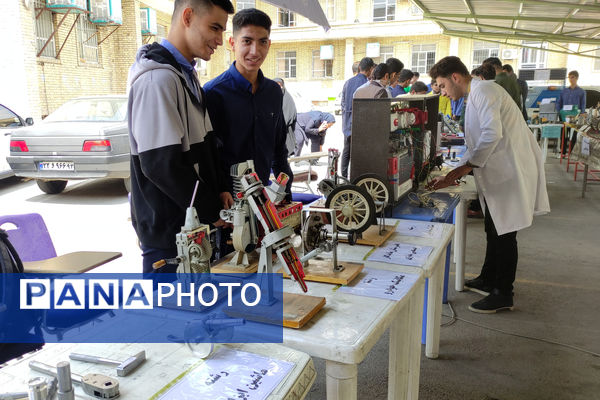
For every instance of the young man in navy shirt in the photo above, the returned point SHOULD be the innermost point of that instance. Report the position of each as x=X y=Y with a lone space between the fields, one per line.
x=245 y=107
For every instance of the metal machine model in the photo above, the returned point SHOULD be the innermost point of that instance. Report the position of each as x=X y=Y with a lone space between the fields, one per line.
x=193 y=244
x=356 y=203
x=276 y=239
x=320 y=235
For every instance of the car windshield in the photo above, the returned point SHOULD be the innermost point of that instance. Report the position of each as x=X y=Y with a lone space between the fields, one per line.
x=106 y=110
x=8 y=119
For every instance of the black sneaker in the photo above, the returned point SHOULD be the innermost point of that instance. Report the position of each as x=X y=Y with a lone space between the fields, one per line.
x=478 y=285
x=496 y=301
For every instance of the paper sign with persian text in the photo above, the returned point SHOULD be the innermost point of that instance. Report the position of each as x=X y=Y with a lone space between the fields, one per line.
x=422 y=229
x=231 y=374
x=401 y=253
x=383 y=284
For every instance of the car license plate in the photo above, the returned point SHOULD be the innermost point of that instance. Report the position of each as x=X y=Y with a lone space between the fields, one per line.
x=56 y=166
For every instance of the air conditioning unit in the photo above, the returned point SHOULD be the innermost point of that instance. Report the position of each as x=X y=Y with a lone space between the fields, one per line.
x=510 y=54
x=62 y=6
x=148 y=21
x=106 y=12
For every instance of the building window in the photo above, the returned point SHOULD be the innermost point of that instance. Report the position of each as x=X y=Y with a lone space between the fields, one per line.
x=384 y=10
x=161 y=32
x=423 y=58
x=597 y=61
x=44 y=26
x=87 y=40
x=328 y=7
x=321 y=68
x=483 y=50
x=242 y=4
x=286 y=18
x=385 y=52
x=533 y=58
x=286 y=64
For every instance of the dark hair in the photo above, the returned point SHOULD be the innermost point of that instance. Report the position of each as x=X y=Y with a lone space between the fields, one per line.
x=508 y=68
x=495 y=61
x=250 y=16
x=574 y=73
x=419 y=86
x=380 y=71
x=485 y=71
x=366 y=64
x=355 y=67
x=417 y=74
x=405 y=74
x=448 y=66
x=394 y=65
x=224 y=4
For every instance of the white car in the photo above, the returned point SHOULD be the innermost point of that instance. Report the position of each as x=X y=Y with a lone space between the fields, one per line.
x=9 y=122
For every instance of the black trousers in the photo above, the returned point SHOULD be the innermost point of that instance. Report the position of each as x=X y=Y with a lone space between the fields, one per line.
x=501 y=256
x=316 y=141
x=346 y=155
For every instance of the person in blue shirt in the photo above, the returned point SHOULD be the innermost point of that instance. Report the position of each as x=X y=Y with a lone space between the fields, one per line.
x=571 y=96
x=365 y=67
x=245 y=107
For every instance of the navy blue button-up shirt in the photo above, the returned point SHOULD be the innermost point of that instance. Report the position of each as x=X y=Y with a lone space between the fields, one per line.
x=570 y=96
x=347 y=95
x=249 y=125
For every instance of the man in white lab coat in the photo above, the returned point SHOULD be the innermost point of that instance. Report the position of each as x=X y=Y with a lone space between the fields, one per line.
x=509 y=172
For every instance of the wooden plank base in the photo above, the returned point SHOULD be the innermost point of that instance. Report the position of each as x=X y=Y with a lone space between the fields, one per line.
x=298 y=309
x=222 y=266
x=322 y=271
x=371 y=236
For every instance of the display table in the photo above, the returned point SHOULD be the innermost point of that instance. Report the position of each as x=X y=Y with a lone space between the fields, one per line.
x=467 y=192
x=587 y=152
x=348 y=327
x=70 y=263
x=164 y=363
x=433 y=271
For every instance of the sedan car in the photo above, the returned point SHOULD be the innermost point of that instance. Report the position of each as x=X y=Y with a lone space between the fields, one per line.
x=84 y=138
x=9 y=122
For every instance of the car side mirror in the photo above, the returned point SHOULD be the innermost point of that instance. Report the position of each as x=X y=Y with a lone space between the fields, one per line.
x=29 y=121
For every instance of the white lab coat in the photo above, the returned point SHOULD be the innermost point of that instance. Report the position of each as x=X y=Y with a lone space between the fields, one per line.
x=511 y=174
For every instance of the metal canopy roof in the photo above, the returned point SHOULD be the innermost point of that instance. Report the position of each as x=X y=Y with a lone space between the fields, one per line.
x=311 y=9
x=560 y=22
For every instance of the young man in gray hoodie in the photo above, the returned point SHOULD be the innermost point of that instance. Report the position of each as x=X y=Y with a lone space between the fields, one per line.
x=172 y=141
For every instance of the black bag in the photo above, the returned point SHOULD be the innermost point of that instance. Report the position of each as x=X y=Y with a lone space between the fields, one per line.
x=10 y=262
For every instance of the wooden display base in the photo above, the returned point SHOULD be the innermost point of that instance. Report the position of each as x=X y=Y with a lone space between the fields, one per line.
x=298 y=309
x=322 y=271
x=222 y=266
x=371 y=236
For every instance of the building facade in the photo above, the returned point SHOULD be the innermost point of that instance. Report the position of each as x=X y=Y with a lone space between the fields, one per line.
x=57 y=55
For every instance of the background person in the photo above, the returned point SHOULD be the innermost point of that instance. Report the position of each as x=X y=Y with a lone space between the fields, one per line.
x=575 y=96
x=509 y=174
x=376 y=88
x=522 y=85
x=173 y=145
x=290 y=115
x=404 y=79
x=508 y=82
x=365 y=67
x=312 y=126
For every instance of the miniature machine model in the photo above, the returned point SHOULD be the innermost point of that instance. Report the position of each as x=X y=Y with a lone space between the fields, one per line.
x=393 y=138
x=193 y=244
x=356 y=203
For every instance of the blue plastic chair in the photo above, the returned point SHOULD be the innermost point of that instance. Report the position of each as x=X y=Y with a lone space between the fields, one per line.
x=30 y=238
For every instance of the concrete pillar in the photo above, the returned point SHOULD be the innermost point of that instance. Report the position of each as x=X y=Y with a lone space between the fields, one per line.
x=453 y=50
x=349 y=59
x=350 y=11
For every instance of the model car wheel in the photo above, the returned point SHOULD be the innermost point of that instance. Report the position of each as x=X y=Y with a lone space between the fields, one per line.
x=375 y=187
x=355 y=209
x=51 y=187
